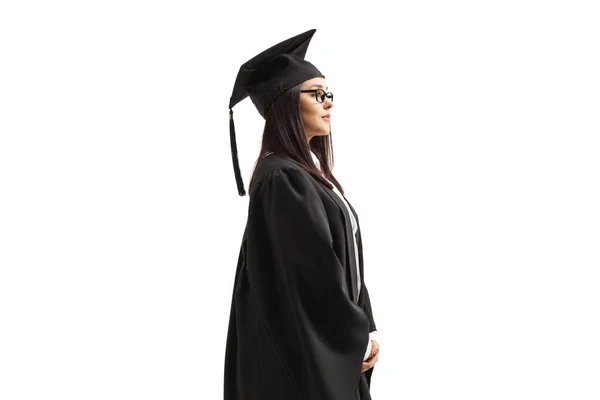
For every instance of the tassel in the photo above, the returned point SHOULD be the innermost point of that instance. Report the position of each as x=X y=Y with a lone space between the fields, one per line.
x=234 y=156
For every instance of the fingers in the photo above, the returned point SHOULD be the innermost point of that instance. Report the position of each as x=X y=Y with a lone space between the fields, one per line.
x=375 y=347
x=374 y=356
x=369 y=363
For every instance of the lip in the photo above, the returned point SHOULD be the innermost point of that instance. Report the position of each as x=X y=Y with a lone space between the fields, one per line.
x=326 y=116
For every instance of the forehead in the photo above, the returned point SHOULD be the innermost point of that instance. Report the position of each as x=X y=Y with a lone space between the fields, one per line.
x=315 y=83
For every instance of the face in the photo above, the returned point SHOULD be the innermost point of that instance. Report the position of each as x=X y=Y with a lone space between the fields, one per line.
x=312 y=112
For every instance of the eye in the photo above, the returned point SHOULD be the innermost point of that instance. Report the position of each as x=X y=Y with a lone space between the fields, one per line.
x=320 y=95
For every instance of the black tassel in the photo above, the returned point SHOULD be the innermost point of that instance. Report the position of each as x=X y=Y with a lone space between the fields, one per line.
x=236 y=164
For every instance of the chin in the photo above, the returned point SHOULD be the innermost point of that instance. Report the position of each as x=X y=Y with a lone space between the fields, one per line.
x=320 y=131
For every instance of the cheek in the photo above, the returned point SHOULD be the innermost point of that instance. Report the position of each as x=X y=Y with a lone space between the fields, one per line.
x=310 y=117
x=317 y=117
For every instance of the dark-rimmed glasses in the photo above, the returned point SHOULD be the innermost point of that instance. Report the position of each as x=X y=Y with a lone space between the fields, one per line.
x=320 y=94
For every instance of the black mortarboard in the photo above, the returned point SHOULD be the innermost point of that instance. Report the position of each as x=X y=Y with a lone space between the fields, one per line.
x=265 y=77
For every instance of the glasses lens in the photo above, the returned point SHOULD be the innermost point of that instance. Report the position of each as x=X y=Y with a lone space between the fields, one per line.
x=329 y=96
x=320 y=95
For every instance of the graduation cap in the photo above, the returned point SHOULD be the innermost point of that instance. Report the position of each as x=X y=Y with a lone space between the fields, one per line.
x=266 y=76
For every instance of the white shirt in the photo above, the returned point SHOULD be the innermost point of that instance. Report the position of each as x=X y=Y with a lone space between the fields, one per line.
x=372 y=335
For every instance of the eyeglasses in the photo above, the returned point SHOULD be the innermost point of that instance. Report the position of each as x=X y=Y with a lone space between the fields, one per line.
x=320 y=94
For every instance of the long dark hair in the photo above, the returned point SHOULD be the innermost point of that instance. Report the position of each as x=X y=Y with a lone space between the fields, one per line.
x=284 y=135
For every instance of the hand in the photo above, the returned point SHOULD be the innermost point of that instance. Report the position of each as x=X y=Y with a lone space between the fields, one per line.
x=370 y=362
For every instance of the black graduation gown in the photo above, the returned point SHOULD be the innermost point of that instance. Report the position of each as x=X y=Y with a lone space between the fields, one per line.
x=296 y=329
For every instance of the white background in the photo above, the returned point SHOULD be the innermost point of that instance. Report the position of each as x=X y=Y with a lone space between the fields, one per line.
x=466 y=135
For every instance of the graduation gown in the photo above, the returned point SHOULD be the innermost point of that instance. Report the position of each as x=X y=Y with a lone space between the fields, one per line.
x=297 y=329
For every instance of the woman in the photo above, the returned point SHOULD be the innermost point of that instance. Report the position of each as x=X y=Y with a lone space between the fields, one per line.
x=301 y=324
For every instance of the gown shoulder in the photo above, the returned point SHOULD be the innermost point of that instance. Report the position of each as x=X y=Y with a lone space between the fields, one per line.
x=267 y=166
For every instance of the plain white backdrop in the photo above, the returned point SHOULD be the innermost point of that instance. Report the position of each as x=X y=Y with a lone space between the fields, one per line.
x=466 y=135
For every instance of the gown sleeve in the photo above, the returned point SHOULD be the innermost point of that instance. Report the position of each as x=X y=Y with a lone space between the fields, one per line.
x=373 y=334
x=368 y=310
x=319 y=333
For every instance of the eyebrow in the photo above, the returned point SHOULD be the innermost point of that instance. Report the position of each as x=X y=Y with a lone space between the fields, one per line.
x=321 y=86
